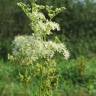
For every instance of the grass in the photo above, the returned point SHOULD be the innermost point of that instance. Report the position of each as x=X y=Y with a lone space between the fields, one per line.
x=77 y=78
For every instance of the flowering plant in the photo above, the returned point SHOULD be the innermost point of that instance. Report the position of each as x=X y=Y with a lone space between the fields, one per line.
x=36 y=50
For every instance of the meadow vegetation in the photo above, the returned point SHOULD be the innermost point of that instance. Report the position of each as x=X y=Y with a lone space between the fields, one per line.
x=45 y=59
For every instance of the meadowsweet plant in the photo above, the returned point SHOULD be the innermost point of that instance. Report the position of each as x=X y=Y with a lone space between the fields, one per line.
x=35 y=54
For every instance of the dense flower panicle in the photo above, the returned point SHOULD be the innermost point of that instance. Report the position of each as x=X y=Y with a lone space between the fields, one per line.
x=33 y=48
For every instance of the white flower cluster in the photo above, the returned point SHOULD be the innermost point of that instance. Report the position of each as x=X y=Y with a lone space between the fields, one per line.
x=33 y=48
x=29 y=49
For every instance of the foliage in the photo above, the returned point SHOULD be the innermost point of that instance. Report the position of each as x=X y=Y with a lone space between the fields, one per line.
x=78 y=77
x=71 y=83
x=37 y=63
